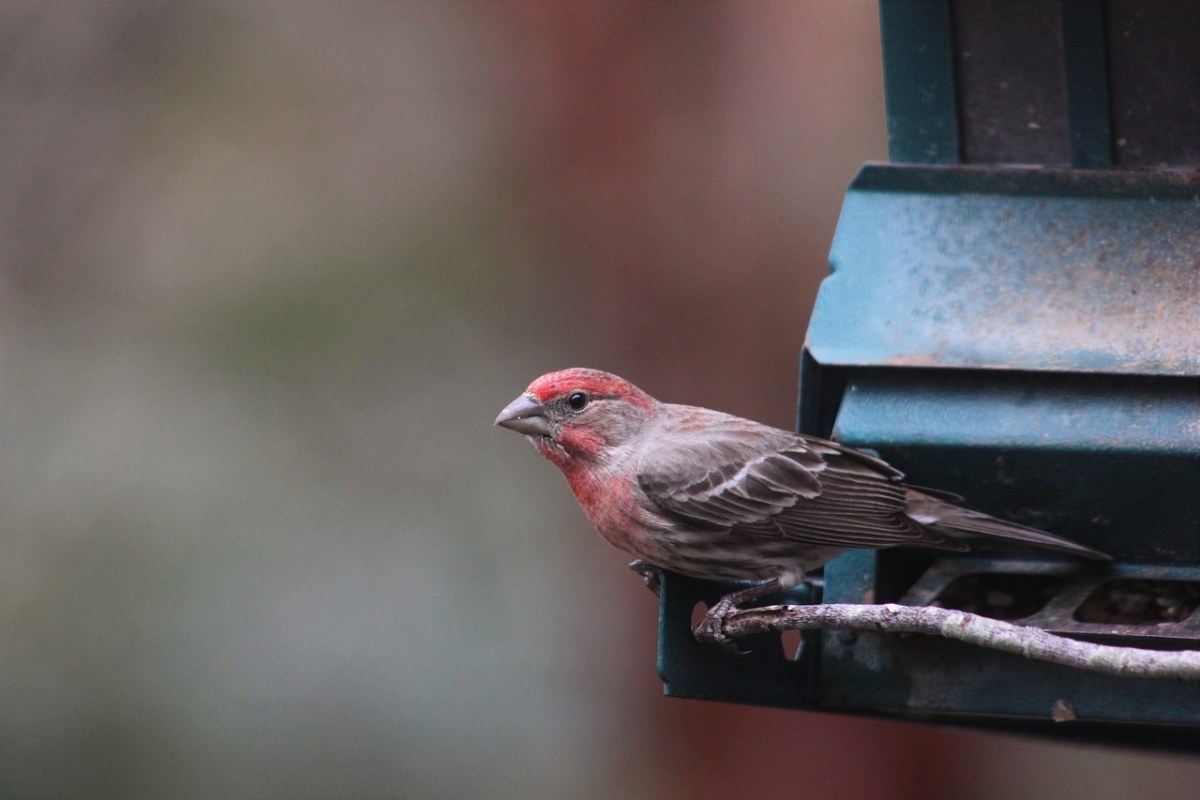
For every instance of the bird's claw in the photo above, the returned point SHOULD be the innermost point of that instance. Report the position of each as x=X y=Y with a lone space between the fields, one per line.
x=711 y=629
x=651 y=575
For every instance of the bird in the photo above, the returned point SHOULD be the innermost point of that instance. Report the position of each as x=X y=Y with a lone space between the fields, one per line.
x=719 y=497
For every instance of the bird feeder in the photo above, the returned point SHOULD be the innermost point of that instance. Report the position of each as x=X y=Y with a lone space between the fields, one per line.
x=1013 y=314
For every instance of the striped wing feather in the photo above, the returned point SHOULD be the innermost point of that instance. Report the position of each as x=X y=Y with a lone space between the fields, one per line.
x=731 y=474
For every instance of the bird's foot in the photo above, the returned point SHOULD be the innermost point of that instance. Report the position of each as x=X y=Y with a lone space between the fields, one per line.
x=711 y=629
x=651 y=575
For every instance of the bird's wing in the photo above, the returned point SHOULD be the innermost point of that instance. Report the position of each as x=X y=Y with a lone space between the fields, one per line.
x=717 y=472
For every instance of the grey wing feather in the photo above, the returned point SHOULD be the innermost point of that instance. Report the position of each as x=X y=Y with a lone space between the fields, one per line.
x=936 y=513
x=729 y=474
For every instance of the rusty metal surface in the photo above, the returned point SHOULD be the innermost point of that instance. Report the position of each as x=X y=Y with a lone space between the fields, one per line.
x=1004 y=268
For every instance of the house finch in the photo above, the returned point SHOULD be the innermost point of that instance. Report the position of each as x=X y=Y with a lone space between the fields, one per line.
x=722 y=498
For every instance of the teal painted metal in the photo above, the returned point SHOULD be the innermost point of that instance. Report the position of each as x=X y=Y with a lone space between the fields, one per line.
x=943 y=680
x=1003 y=411
x=918 y=59
x=765 y=676
x=1111 y=462
x=936 y=679
x=1007 y=268
x=1085 y=52
x=1030 y=339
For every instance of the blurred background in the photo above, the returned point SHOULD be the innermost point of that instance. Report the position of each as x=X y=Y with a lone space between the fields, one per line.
x=269 y=270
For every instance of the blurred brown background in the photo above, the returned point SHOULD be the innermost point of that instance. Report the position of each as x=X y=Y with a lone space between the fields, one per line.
x=269 y=270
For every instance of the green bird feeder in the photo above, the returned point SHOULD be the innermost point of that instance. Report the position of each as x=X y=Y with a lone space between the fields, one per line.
x=1013 y=314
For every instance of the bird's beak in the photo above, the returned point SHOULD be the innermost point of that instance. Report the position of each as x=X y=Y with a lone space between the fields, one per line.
x=525 y=415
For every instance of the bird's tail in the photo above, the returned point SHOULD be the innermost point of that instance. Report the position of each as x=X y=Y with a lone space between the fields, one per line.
x=958 y=521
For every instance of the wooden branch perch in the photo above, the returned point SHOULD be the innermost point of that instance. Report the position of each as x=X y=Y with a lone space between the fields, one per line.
x=971 y=628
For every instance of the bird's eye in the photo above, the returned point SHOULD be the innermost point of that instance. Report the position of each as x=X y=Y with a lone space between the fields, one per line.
x=577 y=400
